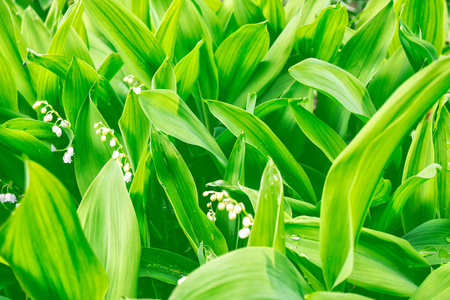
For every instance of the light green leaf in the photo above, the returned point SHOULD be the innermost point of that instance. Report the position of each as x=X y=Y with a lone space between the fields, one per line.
x=259 y=135
x=110 y=66
x=317 y=131
x=77 y=84
x=247 y=12
x=268 y=227
x=274 y=12
x=431 y=240
x=383 y=263
x=332 y=296
x=336 y=83
x=249 y=273
x=91 y=154
x=420 y=53
x=323 y=37
x=362 y=162
x=426 y=17
x=109 y=222
x=167 y=111
x=57 y=64
x=48 y=267
x=436 y=286
x=34 y=31
x=386 y=220
x=135 y=129
x=8 y=91
x=422 y=204
x=141 y=8
x=168 y=29
x=165 y=265
x=137 y=46
x=187 y=71
x=10 y=53
x=177 y=181
x=164 y=78
x=441 y=139
x=238 y=57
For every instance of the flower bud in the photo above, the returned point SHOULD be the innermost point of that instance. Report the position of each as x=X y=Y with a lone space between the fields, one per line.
x=43 y=110
x=213 y=197
x=221 y=206
x=65 y=123
x=55 y=128
x=103 y=138
x=112 y=142
x=246 y=221
x=219 y=196
x=126 y=168
x=67 y=158
x=231 y=215
x=98 y=131
x=70 y=151
x=8 y=197
x=48 y=118
x=58 y=132
x=230 y=207
x=244 y=233
x=116 y=154
x=127 y=177
x=237 y=209
x=180 y=281
x=37 y=104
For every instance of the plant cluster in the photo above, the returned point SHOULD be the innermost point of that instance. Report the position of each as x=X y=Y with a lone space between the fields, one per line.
x=235 y=149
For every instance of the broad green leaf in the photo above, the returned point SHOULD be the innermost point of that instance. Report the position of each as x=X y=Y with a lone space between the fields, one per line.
x=109 y=222
x=390 y=214
x=272 y=64
x=8 y=91
x=362 y=162
x=58 y=64
x=165 y=265
x=323 y=37
x=49 y=267
x=135 y=129
x=431 y=240
x=141 y=8
x=137 y=46
x=164 y=78
x=336 y=83
x=10 y=53
x=34 y=31
x=441 y=139
x=268 y=227
x=167 y=111
x=177 y=181
x=247 y=12
x=187 y=71
x=420 y=53
x=311 y=9
x=383 y=263
x=238 y=57
x=426 y=17
x=249 y=273
x=259 y=135
x=211 y=21
x=436 y=286
x=110 y=66
x=168 y=29
x=274 y=12
x=422 y=204
x=332 y=296
x=91 y=154
x=77 y=84
x=318 y=132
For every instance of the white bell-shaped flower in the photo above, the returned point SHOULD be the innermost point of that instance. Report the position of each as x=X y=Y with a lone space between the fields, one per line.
x=244 y=233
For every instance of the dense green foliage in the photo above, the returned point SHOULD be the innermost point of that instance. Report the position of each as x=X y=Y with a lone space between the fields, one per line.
x=236 y=149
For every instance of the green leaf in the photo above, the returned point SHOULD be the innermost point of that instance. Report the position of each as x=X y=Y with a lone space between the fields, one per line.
x=428 y=19
x=91 y=154
x=165 y=265
x=137 y=46
x=336 y=83
x=436 y=286
x=272 y=64
x=58 y=64
x=110 y=66
x=383 y=263
x=168 y=29
x=422 y=204
x=135 y=129
x=420 y=53
x=8 y=92
x=361 y=164
x=10 y=53
x=79 y=80
x=390 y=214
x=247 y=12
x=48 y=267
x=109 y=222
x=317 y=131
x=431 y=240
x=177 y=181
x=164 y=78
x=249 y=273
x=323 y=37
x=274 y=12
x=187 y=71
x=141 y=8
x=34 y=31
x=238 y=57
x=259 y=135
x=167 y=111
x=332 y=296
x=268 y=227
x=441 y=139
